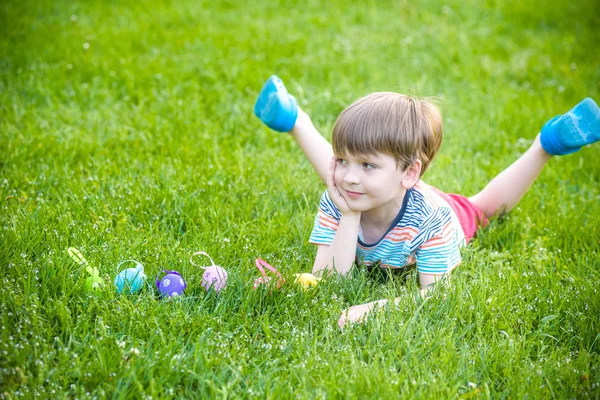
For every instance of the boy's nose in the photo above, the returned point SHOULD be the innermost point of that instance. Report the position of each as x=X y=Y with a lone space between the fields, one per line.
x=351 y=177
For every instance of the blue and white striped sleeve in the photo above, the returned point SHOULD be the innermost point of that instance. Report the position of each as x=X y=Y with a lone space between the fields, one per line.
x=326 y=222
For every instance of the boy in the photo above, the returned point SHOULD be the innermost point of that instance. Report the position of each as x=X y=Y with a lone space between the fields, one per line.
x=376 y=209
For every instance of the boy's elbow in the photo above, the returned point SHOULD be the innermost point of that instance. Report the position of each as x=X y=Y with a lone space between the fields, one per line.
x=319 y=269
x=325 y=263
x=320 y=265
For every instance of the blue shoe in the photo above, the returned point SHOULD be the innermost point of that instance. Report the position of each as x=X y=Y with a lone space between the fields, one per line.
x=275 y=106
x=565 y=134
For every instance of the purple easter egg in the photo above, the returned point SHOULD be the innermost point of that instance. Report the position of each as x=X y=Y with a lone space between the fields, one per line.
x=170 y=285
x=215 y=277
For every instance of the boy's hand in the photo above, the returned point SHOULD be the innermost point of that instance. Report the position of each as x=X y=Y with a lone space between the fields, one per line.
x=359 y=313
x=334 y=193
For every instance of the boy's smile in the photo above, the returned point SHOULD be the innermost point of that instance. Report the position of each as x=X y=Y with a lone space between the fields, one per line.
x=353 y=195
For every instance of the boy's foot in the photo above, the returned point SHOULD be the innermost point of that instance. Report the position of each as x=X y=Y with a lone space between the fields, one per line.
x=567 y=133
x=275 y=106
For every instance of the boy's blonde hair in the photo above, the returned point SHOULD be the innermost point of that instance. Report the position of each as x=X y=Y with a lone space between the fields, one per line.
x=401 y=126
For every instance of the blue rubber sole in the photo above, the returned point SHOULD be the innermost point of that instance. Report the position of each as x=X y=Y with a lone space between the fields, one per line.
x=275 y=107
x=567 y=133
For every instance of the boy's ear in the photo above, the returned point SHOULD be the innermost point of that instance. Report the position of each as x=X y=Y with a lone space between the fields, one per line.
x=412 y=175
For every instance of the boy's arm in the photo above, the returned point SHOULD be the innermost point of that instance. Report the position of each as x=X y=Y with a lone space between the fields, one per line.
x=360 y=312
x=426 y=280
x=341 y=253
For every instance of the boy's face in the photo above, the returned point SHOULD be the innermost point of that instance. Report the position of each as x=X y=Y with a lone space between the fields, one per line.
x=369 y=182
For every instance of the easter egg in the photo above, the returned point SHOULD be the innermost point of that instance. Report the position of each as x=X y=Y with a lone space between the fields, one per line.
x=130 y=280
x=93 y=283
x=170 y=285
x=214 y=277
x=306 y=280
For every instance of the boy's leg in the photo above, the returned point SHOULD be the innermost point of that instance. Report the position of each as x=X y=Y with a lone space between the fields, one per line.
x=315 y=147
x=279 y=110
x=504 y=191
x=563 y=134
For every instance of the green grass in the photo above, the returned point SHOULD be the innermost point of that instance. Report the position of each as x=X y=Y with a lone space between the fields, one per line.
x=127 y=131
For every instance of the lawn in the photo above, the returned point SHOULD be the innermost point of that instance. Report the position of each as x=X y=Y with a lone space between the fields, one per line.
x=127 y=131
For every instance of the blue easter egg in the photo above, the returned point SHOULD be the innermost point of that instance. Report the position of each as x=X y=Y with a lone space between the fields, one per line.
x=130 y=280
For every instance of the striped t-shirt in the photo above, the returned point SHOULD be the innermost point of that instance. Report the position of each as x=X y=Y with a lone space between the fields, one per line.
x=426 y=231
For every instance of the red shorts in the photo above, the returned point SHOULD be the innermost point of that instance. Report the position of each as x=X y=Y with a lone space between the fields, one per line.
x=470 y=216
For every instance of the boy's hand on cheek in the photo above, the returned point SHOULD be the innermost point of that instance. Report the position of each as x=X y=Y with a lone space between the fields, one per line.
x=334 y=192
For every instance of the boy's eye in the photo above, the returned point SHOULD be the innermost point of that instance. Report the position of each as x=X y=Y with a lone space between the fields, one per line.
x=368 y=166
x=341 y=161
